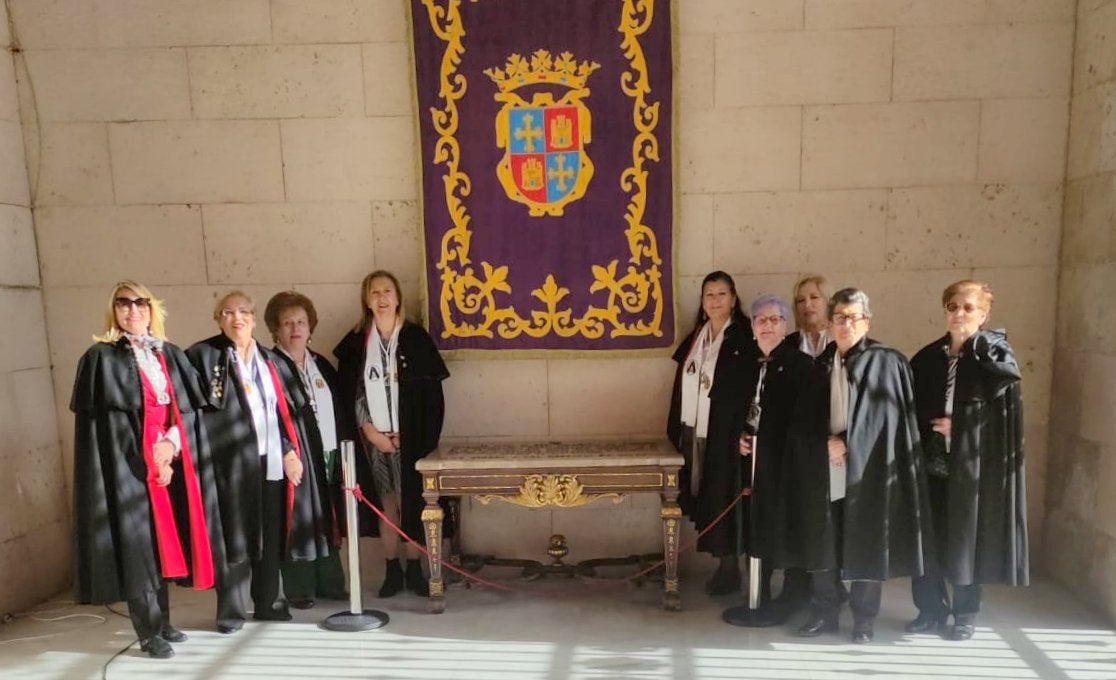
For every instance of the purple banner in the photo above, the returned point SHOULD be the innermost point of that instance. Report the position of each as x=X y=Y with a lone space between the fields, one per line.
x=547 y=172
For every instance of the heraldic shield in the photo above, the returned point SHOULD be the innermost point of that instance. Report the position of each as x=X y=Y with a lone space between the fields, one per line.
x=545 y=164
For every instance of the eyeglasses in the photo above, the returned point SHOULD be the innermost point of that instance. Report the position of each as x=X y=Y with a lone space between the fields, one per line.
x=138 y=303
x=774 y=320
x=968 y=307
x=842 y=319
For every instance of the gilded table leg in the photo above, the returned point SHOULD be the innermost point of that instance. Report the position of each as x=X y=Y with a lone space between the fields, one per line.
x=432 y=516
x=672 y=519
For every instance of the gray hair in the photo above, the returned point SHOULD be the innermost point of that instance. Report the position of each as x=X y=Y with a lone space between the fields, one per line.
x=849 y=296
x=766 y=300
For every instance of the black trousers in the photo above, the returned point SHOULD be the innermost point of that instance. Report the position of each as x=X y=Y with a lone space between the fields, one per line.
x=262 y=572
x=929 y=591
x=829 y=591
x=150 y=612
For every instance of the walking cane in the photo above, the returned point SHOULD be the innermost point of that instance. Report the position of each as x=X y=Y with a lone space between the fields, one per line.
x=356 y=618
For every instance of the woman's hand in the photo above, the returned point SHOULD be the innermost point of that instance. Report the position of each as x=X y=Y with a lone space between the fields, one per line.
x=942 y=426
x=163 y=474
x=163 y=453
x=383 y=441
x=292 y=467
x=837 y=451
x=745 y=445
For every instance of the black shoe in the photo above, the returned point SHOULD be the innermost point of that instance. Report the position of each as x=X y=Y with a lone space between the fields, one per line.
x=172 y=634
x=157 y=648
x=816 y=625
x=862 y=632
x=393 y=579
x=724 y=581
x=269 y=614
x=229 y=628
x=961 y=631
x=416 y=582
x=927 y=623
x=302 y=603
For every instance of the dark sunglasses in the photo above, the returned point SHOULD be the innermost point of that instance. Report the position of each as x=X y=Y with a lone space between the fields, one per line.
x=138 y=303
x=968 y=307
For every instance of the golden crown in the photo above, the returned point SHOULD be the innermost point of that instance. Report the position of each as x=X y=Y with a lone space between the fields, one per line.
x=541 y=69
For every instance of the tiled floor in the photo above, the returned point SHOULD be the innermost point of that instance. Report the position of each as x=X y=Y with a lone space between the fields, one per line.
x=559 y=630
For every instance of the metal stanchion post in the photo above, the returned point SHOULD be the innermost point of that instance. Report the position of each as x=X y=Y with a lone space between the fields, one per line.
x=356 y=618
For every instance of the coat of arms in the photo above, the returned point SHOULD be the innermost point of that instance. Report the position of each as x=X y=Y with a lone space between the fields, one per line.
x=545 y=165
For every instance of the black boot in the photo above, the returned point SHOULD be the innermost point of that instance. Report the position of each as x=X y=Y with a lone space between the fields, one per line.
x=727 y=577
x=393 y=579
x=416 y=582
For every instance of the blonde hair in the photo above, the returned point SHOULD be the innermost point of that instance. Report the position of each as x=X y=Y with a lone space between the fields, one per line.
x=228 y=296
x=113 y=332
x=366 y=288
x=823 y=287
x=981 y=289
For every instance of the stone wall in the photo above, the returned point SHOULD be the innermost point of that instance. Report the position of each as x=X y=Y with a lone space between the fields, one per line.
x=34 y=514
x=897 y=145
x=1081 y=513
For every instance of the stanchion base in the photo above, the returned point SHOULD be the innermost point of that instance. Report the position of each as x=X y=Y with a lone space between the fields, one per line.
x=348 y=622
x=764 y=617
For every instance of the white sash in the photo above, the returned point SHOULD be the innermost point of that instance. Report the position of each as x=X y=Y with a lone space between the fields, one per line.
x=381 y=382
x=838 y=423
x=320 y=398
x=697 y=377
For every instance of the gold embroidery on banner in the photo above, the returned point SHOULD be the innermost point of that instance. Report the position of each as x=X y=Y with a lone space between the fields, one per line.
x=634 y=290
x=563 y=491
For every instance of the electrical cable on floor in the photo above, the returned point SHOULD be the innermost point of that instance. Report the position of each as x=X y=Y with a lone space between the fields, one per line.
x=32 y=615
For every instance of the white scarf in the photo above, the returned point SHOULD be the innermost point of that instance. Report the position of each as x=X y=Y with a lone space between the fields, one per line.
x=697 y=378
x=811 y=349
x=320 y=398
x=838 y=423
x=381 y=379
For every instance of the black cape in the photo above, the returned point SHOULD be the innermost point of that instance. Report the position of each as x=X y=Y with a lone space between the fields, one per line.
x=421 y=413
x=332 y=494
x=886 y=522
x=114 y=545
x=231 y=440
x=984 y=539
x=731 y=396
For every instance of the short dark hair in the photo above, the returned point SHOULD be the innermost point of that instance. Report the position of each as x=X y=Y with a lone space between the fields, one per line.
x=281 y=302
x=849 y=296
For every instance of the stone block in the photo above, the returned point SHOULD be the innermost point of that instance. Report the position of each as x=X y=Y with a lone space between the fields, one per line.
x=903 y=144
x=1080 y=325
x=143 y=23
x=5 y=34
x=29 y=582
x=496 y=399
x=74 y=315
x=338 y=21
x=197 y=162
x=101 y=245
x=747 y=149
x=1029 y=10
x=27 y=402
x=1026 y=303
x=288 y=81
x=388 y=79
x=74 y=166
x=1092 y=141
x=1023 y=140
x=350 y=159
x=69 y=24
x=19 y=262
x=9 y=98
x=1098 y=394
x=994 y=225
x=1095 y=49
x=590 y=397
x=1036 y=367
x=876 y=13
x=13 y=169
x=277 y=242
x=1102 y=576
x=995 y=60
x=110 y=85
x=695 y=235
x=397 y=234
x=750 y=286
x=1106 y=503
x=735 y=16
x=1090 y=212
x=24 y=344
x=803 y=67
x=788 y=231
x=696 y=60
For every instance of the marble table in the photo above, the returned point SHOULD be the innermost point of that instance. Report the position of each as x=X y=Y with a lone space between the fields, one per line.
x=551 y=474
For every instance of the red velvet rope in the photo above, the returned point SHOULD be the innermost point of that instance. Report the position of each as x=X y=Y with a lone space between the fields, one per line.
x=355 y=490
